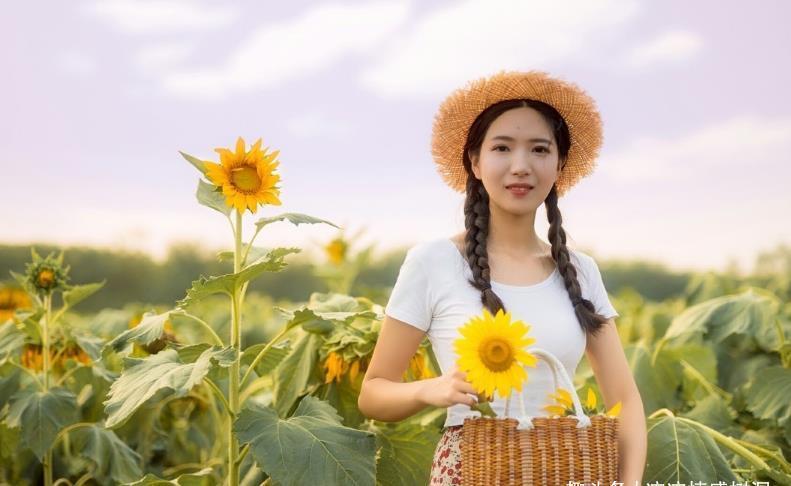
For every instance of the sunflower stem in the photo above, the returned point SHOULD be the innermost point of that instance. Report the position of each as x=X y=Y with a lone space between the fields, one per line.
x=45 y=342
x=233 y=388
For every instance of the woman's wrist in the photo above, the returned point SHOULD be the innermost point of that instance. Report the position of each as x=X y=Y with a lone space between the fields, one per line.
x=421 y=390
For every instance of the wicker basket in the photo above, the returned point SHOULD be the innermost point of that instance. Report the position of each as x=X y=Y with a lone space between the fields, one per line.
x=540 y=451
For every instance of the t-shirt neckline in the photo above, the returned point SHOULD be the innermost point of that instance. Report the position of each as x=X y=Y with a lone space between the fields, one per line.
x=540 y=284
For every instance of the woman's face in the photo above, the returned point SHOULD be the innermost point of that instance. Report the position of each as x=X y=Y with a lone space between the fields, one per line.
x=519 y=147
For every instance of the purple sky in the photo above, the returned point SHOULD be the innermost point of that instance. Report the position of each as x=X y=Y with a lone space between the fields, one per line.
x=98 y=96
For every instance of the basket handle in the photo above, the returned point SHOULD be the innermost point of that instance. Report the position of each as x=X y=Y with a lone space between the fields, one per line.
x=558 y=370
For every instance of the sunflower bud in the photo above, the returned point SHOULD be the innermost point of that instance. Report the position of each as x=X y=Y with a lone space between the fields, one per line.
x=46 y=275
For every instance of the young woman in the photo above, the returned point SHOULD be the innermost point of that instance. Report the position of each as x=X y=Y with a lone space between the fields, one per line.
x=510 y=142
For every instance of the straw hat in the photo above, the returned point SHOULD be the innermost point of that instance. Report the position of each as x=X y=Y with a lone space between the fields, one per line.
x=457 y=113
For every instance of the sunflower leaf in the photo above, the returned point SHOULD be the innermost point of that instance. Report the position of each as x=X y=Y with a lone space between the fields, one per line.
x=42 y=414
x=150 y=328
x=196 y=162
x=164 y=373
x=191 y=479
x=112 y=457
x=294 y=218
x=205 y=286
x=310 y=447
x=78 y=293
x=210 y=196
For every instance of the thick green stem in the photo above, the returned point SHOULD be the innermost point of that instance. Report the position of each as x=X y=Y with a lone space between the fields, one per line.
x=233 y=387
x=45 y=347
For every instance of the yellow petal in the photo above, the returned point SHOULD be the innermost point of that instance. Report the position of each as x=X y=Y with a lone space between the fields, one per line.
x=615 y=410
x=590 y=402
x=240 y=152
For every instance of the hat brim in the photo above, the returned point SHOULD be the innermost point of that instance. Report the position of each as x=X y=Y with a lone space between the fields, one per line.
x=458 y=111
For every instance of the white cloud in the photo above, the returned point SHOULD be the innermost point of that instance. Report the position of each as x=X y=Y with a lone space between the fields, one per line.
x=159 y=57
x=723 y=144
x=161 y=16
x=274 y=54
x=474 y=38
x=76 y=63
x=669 y=47
x=317 y=124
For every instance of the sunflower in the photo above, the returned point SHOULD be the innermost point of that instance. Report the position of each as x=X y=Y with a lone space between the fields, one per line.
x=336 y=250
x=46 y=275
x=11 y=299
x=492 y=353
x=563 y=403
x=335 y=366
x=564 y=406
x=247 y=178
x=590 y=403
x=418 y=366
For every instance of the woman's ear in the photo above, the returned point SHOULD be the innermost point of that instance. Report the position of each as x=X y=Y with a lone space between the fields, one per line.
x=474 y=164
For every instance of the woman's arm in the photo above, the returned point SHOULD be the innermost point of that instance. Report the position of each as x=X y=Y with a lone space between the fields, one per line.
x=608 y=361
x=384 y=396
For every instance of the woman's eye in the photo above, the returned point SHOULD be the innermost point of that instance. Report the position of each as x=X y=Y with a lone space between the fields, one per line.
x=499 y=146
x=542 y=148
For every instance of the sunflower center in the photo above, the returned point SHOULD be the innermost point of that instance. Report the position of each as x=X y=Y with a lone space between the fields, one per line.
x=45 y=278
x=496 y=354
x=246 y=179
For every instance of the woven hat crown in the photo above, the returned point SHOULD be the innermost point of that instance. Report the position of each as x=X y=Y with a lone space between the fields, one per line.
x=460 y=109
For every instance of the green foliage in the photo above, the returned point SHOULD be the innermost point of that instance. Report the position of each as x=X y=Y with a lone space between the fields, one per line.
x=310 y=447
x=170 y=371
x=41 y=415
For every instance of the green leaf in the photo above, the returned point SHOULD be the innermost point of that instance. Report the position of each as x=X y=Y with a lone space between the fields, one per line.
x=197 y=478
x=163 y=372
x=680 y=452
x=767 y=394
x=11 y=341
x=310 y=447
x=28 y=323
x=405 y=453
x=42 y=415
x=211 y=196
x=658 y=381
x=750 y=314
x=294 y=372
x=205 y=286
x=78 y=293
x=271 y=359
x=324 y=309
x=713 y=412
x=196 y=162
x=150 y=328
x=9 y=383
x=112 y=457
x=92 y=345
x=294 y=218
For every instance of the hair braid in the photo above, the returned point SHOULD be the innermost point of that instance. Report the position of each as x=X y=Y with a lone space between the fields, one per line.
x=590 y=321
x=476 y=221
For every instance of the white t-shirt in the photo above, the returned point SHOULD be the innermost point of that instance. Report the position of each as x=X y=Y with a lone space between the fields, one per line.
x=432 y=293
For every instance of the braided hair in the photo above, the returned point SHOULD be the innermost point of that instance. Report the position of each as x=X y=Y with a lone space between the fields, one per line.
x=476 y=216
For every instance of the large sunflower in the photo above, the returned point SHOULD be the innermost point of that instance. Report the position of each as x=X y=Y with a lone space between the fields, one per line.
x=247 y=178
x=493 y=354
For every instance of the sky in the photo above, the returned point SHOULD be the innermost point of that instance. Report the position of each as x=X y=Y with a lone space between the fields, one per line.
x=98 y=97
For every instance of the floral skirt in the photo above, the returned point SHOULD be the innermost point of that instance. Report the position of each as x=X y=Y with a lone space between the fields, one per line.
x=446 y=467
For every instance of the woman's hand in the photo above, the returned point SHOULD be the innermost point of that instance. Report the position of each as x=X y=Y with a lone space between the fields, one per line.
x=451 y=388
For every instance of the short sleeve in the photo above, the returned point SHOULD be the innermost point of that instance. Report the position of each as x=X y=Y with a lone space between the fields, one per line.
x=597 y=293
x=410 y=299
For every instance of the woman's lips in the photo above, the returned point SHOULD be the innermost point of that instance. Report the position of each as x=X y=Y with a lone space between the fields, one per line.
x=519 y=191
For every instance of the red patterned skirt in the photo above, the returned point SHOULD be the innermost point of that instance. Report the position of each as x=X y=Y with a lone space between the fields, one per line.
x=446 y=467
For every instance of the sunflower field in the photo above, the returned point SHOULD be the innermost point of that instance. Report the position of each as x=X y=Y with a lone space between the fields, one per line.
x=223 y=387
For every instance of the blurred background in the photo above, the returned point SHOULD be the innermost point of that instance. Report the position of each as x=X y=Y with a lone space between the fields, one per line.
x=99 y=96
